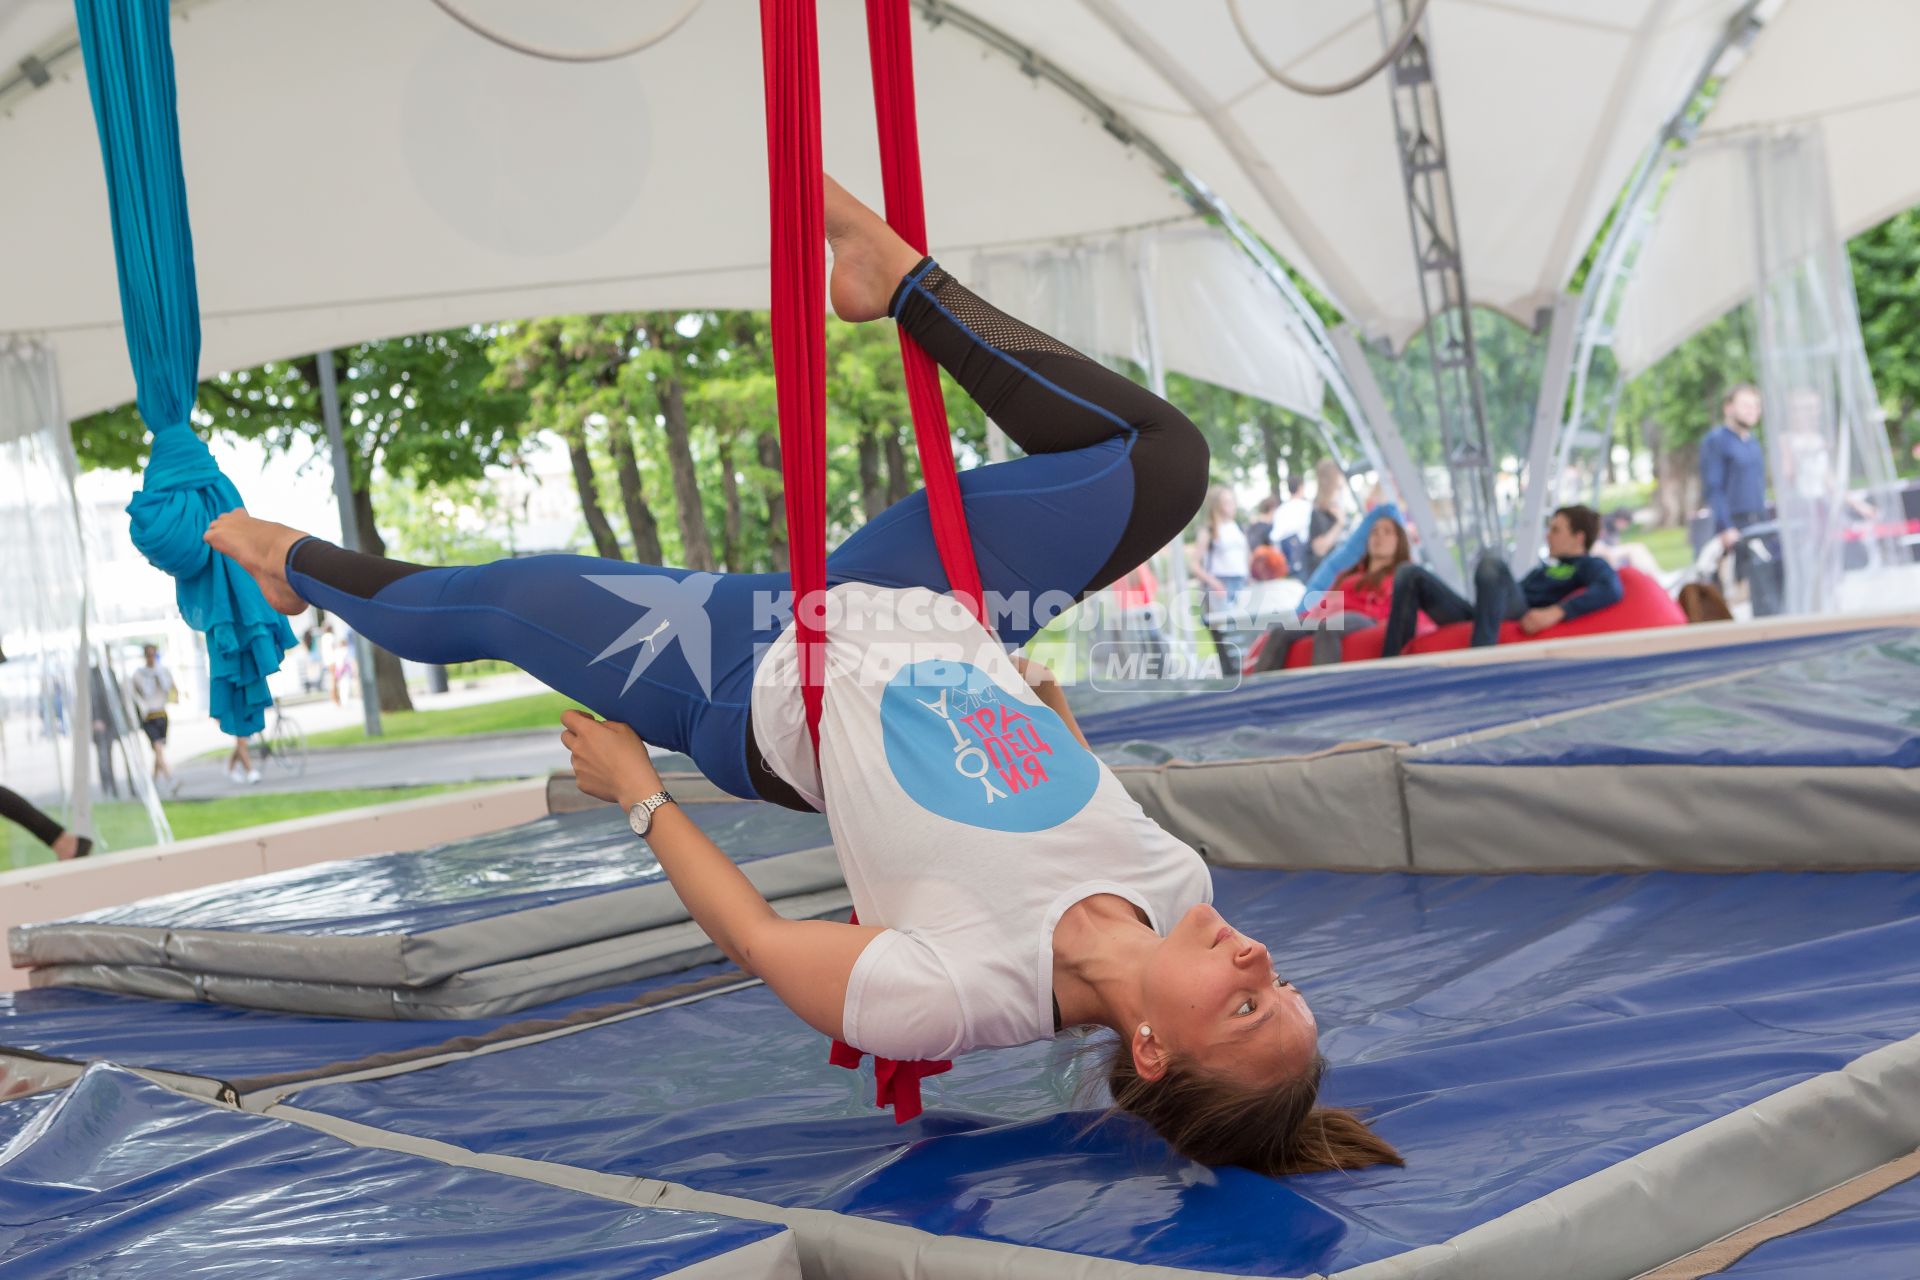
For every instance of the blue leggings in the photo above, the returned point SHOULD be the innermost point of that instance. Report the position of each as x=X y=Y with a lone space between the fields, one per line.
x=1112 y=474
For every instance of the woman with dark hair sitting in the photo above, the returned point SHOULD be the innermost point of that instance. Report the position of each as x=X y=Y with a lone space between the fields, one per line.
x=1006 y=884
x=1363 y=596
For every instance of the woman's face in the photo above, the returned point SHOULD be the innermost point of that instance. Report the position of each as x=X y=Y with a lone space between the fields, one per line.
x=1383 y=542
x=1212 y=997
x=1227 y=505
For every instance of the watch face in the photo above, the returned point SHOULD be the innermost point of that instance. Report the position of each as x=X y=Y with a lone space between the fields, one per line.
x=640 y=818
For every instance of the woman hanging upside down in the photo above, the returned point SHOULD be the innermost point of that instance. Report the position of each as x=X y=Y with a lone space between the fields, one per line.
x=1021 y=889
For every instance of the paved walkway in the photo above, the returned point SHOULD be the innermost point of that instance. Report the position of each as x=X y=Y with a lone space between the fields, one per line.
x=415 y=762
x=419 y=762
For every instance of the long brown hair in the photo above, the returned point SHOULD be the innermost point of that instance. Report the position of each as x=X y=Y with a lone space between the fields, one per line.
x=1329 y=483
x=1211 y=518
x=1402 y=553
x=1271 y=1129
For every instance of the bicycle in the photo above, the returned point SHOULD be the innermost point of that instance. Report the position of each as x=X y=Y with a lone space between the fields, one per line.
x=282 y=744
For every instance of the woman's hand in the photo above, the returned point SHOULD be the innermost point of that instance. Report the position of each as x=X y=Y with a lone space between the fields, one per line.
x=609 y=760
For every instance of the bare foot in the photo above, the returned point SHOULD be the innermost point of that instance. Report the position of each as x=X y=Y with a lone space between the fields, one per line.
x=869 y=260
x=260 y=547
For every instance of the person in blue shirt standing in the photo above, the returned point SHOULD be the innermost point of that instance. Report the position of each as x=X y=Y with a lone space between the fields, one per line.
x=1733 y=482
x=1571 y=582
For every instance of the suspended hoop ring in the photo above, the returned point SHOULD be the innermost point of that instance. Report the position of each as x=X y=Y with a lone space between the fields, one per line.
x=1394 y=50
x=472 y=24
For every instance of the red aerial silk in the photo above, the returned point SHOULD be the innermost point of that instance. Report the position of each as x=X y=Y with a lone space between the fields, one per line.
x=790 y=51
x=789 y=35
x=890 y=50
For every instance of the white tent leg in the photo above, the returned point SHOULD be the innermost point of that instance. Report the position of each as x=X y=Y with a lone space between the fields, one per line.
x=1549 y=409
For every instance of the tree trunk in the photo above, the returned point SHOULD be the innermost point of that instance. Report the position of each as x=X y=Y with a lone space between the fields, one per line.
x=900 y=477
x=1270 y=452
x=696 y=548
x=640 y=522
x=604 y=543
x=776 y=505
x=1676 y=477
x=873 y=488
x=389 y=679
x=730 y=533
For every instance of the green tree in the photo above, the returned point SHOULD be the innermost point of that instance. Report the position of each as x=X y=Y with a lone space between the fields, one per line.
x=446 y=523
x=1886 y=277
x=414 y=407
x=570 y=371
x=1671 y=405
x=736 y=403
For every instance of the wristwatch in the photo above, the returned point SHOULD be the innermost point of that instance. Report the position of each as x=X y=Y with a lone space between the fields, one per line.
x=640 y=817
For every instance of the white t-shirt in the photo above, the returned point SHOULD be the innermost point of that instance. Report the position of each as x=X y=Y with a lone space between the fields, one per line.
x=1227 y=553
x=1290 y=520
x=967 y=819
x=149 y=687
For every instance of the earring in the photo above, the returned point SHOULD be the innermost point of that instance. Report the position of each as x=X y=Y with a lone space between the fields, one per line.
x=1146 y=1032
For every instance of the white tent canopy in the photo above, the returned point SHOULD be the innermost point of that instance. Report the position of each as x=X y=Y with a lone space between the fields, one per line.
x=368 y=167
x=1547 y=105
x=363 y=168
x=1185 y=298
x=1844 y=67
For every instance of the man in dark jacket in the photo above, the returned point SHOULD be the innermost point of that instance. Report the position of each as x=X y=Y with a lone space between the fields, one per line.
x=1570 y=582
x=1733 y=484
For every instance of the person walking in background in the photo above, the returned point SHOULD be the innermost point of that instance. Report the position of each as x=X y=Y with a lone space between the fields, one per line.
x=1290 y=522
x=313 y=669
x=332 y=661
x=1327 y=522
x=151 y=686
x=15 y=807
x=1260 y=532
x=1221 y=561
x=106 y=730
x=240 y=767
x=1733 y=483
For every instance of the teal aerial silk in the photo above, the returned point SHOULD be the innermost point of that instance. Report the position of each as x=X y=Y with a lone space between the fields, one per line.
x=130 y=75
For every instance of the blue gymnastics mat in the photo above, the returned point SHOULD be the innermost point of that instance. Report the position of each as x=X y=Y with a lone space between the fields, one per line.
x=115 y=1176
x=1513 y=1035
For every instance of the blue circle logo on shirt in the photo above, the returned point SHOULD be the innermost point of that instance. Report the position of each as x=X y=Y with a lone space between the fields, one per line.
x=966 y=749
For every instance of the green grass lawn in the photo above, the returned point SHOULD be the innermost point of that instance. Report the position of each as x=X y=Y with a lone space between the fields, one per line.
x=1669 y=546
x=122 y=824
x=535 y=711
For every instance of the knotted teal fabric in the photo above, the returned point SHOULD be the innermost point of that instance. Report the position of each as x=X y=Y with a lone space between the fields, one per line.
x=129 y=61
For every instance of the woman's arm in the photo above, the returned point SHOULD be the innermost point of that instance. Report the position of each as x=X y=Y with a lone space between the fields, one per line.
x=1325 y=542
x=1197 y=555
x=1046 y=686
x=806 y=962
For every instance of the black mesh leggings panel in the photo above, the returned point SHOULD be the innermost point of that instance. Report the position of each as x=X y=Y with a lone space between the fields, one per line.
x=14 y=807
x=968 y=336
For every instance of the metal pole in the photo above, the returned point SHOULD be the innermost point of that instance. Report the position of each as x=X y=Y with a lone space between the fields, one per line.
x=1407 y=478
x=1460 y=397
x=1179 y=619
x=1547 y=415
x=349 y=529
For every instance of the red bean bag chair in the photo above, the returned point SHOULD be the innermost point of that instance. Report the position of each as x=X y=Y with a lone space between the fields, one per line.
x=1642 y=604
x=1355 y=646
